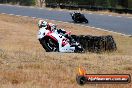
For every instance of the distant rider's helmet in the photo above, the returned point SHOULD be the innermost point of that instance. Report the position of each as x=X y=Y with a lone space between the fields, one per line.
x=53 y=27
x=42 y=23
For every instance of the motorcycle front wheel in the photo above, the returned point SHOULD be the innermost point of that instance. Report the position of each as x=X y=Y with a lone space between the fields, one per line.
x=50 y=45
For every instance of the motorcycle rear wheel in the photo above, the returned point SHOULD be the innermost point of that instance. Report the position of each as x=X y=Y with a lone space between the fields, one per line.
x=86 y=21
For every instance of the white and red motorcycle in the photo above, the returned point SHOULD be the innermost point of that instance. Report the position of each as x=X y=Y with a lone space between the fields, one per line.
x=54 y=42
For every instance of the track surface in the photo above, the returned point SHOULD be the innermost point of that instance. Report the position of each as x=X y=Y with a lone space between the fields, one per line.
x=111 y=23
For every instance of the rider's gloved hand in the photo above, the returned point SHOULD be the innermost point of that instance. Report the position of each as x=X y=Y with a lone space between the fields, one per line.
x=68 y=33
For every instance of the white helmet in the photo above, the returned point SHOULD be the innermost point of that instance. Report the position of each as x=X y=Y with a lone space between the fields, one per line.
x=53 y=26
x=42 y=23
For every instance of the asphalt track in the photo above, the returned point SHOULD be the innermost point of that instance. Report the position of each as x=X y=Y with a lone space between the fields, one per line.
x=119 y=24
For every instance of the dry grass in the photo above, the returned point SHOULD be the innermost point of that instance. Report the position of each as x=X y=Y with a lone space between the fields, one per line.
x=24 y=64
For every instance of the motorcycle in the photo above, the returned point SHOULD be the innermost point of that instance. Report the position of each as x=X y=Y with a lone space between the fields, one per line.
x=78 y=18
x=53 y=42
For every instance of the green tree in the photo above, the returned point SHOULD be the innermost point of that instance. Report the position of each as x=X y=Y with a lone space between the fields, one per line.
x=130 y=4
x=27 y=2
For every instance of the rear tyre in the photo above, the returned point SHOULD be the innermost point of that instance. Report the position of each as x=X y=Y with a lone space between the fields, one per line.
x=79 y=49
x=86 y=21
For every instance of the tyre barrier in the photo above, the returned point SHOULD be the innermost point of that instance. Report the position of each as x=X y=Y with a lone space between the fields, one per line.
x=96 y=44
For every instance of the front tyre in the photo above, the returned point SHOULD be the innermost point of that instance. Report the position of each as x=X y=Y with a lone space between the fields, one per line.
x=49 y=44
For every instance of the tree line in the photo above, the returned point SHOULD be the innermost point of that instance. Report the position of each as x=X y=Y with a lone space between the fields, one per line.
x=20 y=2
x=103 y=3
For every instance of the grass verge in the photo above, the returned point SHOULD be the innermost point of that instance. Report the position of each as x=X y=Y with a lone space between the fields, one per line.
x=24 y=63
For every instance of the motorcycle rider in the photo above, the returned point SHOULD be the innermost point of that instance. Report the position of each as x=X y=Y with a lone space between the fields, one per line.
x=49 y=27
x=42 y=28
x=62 y=32
x=43 y=25
x=75 y=15
x=52 y=27
x=59 y=31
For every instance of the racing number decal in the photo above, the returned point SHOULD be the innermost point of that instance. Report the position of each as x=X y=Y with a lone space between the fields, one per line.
x=64 y=42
